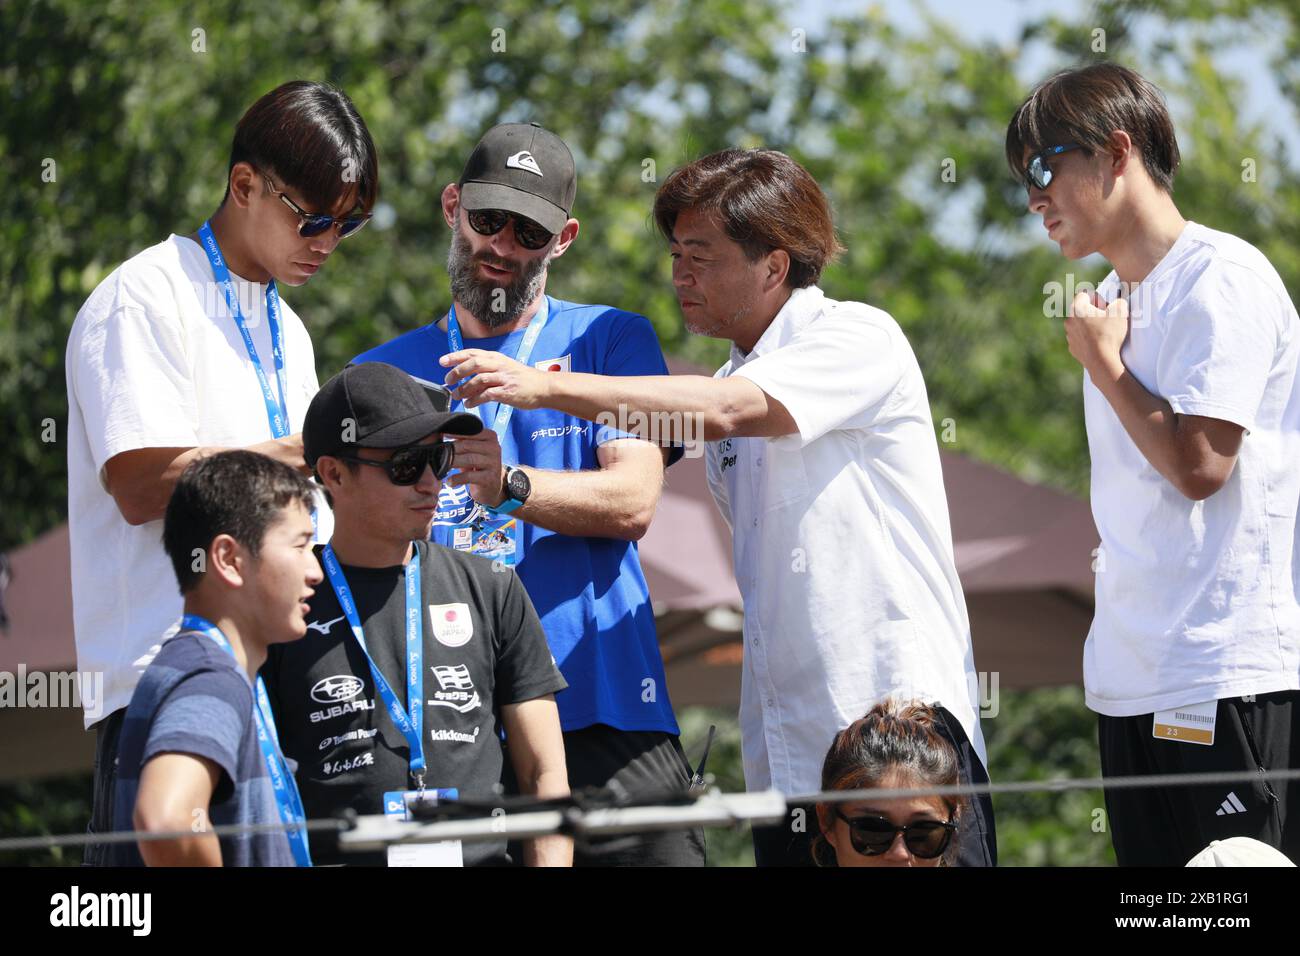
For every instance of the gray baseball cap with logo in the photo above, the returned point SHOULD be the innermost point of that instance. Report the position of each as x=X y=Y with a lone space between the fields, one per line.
x=523 y=169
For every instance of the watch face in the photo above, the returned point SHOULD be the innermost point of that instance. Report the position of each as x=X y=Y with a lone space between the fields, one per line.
x=518 y=485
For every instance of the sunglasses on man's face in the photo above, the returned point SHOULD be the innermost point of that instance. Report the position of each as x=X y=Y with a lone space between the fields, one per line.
x=872 y=836
x=310 y=224
x=1037 y=173
x=408 y=464
x=488 y=222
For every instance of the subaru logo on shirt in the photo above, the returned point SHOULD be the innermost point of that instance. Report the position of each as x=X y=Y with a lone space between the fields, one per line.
x=331 y=690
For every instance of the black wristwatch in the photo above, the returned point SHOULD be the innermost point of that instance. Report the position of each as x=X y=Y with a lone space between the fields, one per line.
x=517 y=488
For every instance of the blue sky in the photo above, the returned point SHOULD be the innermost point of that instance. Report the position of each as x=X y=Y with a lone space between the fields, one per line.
x=1002 y=21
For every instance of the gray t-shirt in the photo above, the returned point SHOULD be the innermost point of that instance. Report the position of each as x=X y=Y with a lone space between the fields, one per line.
x=484 y=648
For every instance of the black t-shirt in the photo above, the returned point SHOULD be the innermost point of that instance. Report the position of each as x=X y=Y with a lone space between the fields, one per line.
x=484 y=647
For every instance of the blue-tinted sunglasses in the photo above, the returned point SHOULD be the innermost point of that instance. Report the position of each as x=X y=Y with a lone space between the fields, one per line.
x=310 y=224
x=1038 y=174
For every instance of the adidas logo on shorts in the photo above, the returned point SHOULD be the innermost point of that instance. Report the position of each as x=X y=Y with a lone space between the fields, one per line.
x=1230 y=805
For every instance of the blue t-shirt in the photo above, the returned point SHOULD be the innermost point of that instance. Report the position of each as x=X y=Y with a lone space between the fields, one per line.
x=194 y=698
x=589 y=592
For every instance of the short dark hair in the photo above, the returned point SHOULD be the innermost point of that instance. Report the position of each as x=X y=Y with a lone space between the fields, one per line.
x=239 y=493
x=1086 y=106
x=892 y=736
x=764 y=200
x=311 y=136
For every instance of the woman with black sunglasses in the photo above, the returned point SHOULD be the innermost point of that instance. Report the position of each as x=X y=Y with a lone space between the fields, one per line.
x=894 y=747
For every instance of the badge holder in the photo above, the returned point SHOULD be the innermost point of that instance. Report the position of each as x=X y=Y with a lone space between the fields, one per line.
x=495 y=537
x=397 y=806
x=1193 y=724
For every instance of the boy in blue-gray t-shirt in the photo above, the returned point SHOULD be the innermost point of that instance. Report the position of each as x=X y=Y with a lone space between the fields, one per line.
x=193 y=700
x=198 y=746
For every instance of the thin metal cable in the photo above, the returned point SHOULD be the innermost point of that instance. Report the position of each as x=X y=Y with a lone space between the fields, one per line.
x=50 y=841
x=341 y=824
x=1052 y=786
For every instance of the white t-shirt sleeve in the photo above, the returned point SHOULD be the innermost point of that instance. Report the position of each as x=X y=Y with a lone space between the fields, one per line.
x=1220 y=346
x=840 y=370
x=132 y=376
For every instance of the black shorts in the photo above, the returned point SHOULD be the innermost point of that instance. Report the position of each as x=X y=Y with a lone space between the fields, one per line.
x=108 y=732
x=790 y=844
x=636 y=763
x=1167 y=826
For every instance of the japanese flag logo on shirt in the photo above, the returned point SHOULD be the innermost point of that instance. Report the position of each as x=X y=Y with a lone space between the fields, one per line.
x=451 y=623
x=560 y=364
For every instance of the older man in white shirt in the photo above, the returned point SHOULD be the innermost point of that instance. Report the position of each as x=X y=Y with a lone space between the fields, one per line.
x=822 y=457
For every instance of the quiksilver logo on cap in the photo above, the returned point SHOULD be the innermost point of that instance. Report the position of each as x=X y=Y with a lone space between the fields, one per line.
x=524 y=160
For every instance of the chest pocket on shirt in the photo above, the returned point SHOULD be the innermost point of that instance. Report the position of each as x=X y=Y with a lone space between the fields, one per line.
x=777 y=467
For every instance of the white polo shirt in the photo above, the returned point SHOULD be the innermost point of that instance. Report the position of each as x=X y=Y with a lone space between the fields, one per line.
x=1198 y=600
x=155 y=360
x=842 y=545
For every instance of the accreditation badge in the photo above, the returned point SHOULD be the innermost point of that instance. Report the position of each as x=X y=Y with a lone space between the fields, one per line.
x=495 y=537
x=397 y=806
x=1193 y=724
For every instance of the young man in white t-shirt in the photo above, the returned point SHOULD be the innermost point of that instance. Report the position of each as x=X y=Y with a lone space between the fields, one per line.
x=1190 y=349
x=823 y=459
x=187 y=349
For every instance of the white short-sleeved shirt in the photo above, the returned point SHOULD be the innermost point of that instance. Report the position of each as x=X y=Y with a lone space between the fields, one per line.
x=842 y=544
x=1197 y=600
x=155 y=360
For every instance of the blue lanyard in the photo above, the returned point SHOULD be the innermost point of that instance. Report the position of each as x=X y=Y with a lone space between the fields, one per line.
x=457 y=343
x=277 y=412
x=287 y=798
x=408 y=723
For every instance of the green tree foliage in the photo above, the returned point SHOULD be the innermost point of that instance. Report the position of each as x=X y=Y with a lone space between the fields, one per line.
x=1047 y=734
x=116 y=119
x=134 y=106
x=45 y=808
x=136 y=110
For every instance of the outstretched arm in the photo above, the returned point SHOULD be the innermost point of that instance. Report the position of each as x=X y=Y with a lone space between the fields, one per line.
x=731 y=407
x=616 y=500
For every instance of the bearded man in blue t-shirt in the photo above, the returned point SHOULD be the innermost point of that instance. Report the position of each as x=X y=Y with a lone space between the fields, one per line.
x=561 y=500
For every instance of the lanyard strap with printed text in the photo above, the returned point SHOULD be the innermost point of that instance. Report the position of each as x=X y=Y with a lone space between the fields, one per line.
x=408 y=722
x=531 y=333
x=277 y=412
x=287 y=799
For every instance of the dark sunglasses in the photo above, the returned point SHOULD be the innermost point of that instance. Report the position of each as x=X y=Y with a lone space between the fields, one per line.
x=408 y=464
x=1038 y=173
x=310 y=224
x=872 y=836
x=488 y=222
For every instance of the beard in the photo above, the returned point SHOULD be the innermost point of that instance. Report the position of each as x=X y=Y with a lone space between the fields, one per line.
x=717 y=328
x=492 y=304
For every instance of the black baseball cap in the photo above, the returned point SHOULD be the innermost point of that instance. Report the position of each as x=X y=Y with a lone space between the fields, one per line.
x=524 y=169
x=377 y=405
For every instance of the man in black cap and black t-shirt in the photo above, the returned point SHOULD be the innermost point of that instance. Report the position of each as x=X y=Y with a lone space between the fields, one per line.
x=454 y=631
